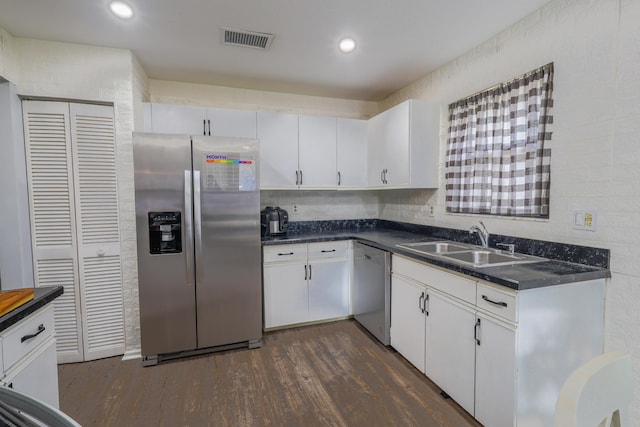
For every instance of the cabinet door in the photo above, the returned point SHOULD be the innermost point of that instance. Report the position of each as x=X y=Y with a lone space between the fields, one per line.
x=495 y=373
x=375 y=150
x=396 y=145
x=329 y=289
x=450 y=349
x=408 y=320
x=278 y=135
x=351 y=153
x=234 y=123
x=317 y=152
x=37 y=375
x=181 y=119
x=286 y=296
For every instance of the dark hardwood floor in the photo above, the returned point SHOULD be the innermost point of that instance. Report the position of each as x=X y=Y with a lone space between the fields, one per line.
x=332 y=374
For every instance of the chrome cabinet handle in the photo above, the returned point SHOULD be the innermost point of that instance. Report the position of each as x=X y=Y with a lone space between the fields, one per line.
x=421 y=302
x=500 y=303
x=305 y=272
x=301 y=177
x=209 y=123
x=285 y=254
x=339 y=178
x=324 y=252
x=476 y=328
x=204 y=127
x=297 y=178
x=382 y=176
x=40 y=330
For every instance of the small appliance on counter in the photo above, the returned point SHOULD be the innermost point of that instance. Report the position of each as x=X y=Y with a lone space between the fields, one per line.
x=274 y=221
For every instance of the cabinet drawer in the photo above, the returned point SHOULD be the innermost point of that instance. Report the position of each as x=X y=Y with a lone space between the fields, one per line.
x=338 y=249
x=26 y=335
x=285 y=253
x=501 y=302
x=449 y=283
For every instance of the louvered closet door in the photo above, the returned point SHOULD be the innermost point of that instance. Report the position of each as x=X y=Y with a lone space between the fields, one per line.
x=74 y=216
x=96 y=201
x=53 y=228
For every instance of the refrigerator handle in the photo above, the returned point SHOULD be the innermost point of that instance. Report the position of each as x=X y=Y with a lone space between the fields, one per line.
x=188 y=225
x=197 y=215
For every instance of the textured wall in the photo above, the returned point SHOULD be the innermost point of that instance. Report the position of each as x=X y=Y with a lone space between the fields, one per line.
x=323 y=205
x=595 y=147
x=94 y=74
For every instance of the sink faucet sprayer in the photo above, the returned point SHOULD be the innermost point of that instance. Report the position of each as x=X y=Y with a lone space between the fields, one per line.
x=482 y=233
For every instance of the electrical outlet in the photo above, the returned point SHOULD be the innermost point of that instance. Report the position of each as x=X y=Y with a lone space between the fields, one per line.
x=294 y=209
x=585 y=219
x=431 y=210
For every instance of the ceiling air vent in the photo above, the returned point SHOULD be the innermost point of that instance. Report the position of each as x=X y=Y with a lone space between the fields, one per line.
x=245 y=38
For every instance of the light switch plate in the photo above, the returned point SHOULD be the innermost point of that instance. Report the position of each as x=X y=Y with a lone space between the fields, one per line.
x=585 y=219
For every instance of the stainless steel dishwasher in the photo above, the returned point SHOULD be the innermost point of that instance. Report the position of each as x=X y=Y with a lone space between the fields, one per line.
x=372 y=290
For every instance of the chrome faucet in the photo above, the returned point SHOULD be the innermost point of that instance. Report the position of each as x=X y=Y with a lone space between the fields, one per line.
x=482 y=233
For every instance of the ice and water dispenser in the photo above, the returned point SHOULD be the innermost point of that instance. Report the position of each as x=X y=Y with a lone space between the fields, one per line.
x=165 y=233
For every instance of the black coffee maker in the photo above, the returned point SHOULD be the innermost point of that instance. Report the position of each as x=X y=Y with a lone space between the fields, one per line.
x=274 y=221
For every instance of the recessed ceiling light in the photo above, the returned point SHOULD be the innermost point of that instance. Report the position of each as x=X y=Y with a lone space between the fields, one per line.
x=347 y=45
x=121 y=9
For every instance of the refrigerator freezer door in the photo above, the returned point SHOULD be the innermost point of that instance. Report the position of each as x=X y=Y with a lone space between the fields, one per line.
x=166 y=276
x=228 y=248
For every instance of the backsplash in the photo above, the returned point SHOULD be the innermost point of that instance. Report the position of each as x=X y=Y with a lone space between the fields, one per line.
x=322 y=205
x=596 y=257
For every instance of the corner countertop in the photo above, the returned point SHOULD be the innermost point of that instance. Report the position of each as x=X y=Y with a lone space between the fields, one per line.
x=515 y=276
x=41 y=297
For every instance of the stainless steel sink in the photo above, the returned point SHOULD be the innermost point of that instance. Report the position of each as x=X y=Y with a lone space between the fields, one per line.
x=442 y=247
x=468 y=254
x=489 y=258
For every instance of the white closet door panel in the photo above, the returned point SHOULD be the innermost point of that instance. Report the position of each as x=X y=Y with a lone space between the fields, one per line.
x=104 y=319
x=52 y=210
x=62 y=272
x=49 y=169
x=93 y=142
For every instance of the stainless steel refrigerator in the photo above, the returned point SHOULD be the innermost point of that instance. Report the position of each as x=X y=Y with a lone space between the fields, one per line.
x=198 y=236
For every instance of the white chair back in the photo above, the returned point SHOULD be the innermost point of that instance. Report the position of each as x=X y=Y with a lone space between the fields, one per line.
x=597 y=394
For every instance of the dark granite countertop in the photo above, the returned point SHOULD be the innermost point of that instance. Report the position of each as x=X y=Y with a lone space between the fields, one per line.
x=515 y=276
x=42 y=296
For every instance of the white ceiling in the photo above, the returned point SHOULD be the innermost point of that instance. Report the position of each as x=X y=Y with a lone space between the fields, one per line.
x=397 y=41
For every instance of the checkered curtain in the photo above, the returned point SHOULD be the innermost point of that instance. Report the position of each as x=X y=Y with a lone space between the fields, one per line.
x=497 y=161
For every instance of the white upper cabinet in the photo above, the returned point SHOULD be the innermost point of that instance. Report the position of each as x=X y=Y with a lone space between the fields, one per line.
x=278 y=135
x=403 y=146
x=317 y=153
x=351 y=154
x=192 y=120
x=297 y=152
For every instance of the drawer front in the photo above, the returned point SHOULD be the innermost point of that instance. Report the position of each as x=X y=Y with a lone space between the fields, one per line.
x=339 y=249
x=26 y=335
x=501 y=302
x=285 y=253
x=452 y=284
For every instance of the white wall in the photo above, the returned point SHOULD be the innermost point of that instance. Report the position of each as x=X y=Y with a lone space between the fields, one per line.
x=79 y=72
x=225 y=97
x=16 y=260
x=596 y=139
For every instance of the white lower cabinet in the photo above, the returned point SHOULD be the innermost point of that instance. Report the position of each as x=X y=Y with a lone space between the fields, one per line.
x=408 y=320
x=29 y=357
x=450 y=360
x=306 y=282
x=286 y=295
x=501 y=354
x=495 y=372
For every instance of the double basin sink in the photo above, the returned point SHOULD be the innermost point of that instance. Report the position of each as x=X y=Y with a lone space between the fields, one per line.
x=468 y=254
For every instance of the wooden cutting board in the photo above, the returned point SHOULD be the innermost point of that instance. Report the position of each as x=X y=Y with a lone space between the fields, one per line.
x=10 y=300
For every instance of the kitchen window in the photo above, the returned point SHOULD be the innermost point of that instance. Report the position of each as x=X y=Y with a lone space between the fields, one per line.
x=498 y=158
